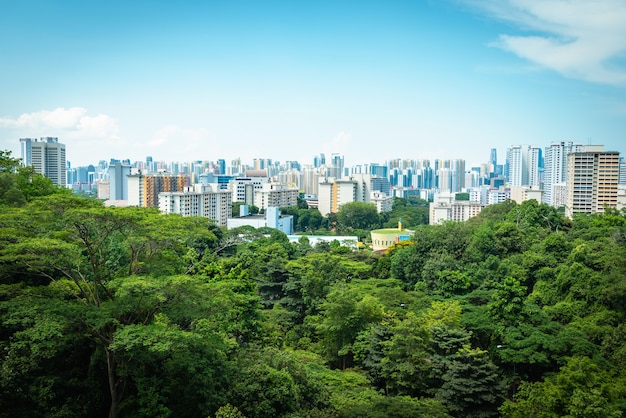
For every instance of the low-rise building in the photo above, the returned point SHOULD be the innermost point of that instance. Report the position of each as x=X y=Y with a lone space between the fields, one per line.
x=272 y=219
x=383 y=202
x=446 y=208
x=382 y=239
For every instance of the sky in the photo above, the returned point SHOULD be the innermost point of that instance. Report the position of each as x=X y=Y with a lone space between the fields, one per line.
x=288 y=80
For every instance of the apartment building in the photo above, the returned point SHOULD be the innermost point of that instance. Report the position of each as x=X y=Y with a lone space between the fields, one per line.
x=144 y=188
x=592 y=179
x=206 y=201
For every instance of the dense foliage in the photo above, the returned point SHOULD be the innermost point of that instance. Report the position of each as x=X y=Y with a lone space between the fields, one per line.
x=358 y=218
x=127 y=312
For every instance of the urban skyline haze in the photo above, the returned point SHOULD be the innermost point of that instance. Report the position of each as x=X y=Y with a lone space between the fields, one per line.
x=373 y=81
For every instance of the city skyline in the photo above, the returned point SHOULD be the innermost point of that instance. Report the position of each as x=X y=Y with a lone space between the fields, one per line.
x=370 y=81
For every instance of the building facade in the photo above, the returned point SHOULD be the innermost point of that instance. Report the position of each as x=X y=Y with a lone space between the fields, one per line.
x=523 y=165
x=271 y=219
x=383 y=202
x=144 y=188
x=118 y=178
x=332 y=193
x=445 y=207
x=555 y=169
x=199 y=200
x=47 y=156
x=243 y=188
x=276 y=195
x=592 y=179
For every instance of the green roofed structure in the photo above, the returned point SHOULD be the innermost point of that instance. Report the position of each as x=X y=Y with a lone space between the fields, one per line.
x=382 y=239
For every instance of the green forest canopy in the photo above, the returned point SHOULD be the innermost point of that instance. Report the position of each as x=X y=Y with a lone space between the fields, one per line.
x=127 y=312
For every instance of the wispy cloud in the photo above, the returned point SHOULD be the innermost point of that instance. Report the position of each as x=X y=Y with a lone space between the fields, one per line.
x=74 y=122
x=580 y=39
x=339 y=144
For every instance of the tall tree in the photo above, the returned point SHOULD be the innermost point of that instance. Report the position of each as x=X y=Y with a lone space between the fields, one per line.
x=358 y=215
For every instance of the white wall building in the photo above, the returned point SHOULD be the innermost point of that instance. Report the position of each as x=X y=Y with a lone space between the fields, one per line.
x=243 y=188
x=495 y=196
x=275 y=195
x=207 y=201
x=383 y=202
x=445 y=208
x=555 y=169
x=47 y=156
x=271 y=219
x=523 y=165
x=333 y=193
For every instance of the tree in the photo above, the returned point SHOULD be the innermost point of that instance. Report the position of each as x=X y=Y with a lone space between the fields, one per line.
x=580 y=389
x=272 y=383
x=84 y=251
x=8 y=164
x=229 y=411
x=358 y=215
x=471 y=385
x=148 y=329
x=342 y=317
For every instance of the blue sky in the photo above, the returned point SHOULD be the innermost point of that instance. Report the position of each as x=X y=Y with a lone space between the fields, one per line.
x=287 y=80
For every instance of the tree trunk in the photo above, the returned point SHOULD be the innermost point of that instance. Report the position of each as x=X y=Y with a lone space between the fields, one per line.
x=116 y=385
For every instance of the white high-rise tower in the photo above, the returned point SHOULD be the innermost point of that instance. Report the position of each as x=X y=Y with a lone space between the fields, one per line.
x=47 y=156
x=555 y=169
x=523 y=162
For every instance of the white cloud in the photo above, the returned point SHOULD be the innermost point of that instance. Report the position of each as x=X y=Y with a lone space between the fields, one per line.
x=101 y=126
x=340 y=143
x=73 y=122
x=83 y=134
x=577 y=38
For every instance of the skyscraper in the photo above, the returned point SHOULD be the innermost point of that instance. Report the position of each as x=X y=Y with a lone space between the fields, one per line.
x=221 y=163
x=118 y=177
x=523 y=165
x=555 y=169
x=336 y=169
x=47 y=156
x=592 y=177
x=493 y=157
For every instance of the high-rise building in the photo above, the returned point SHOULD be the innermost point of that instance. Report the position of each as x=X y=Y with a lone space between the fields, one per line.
x=199 y=200
x=493 y=157
x=319 y=161
x=47 y=156
x=144 y=189
x=592 y=178
x=276 y=195
x=523 y=163
x=555 y=169
x=622 y=171
x=336 y=168
x=243 y=188
x=333 y=193
x=221 y=164
x=309 y=180
x=457 y=175
x=150 y=166
x=118 y=180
